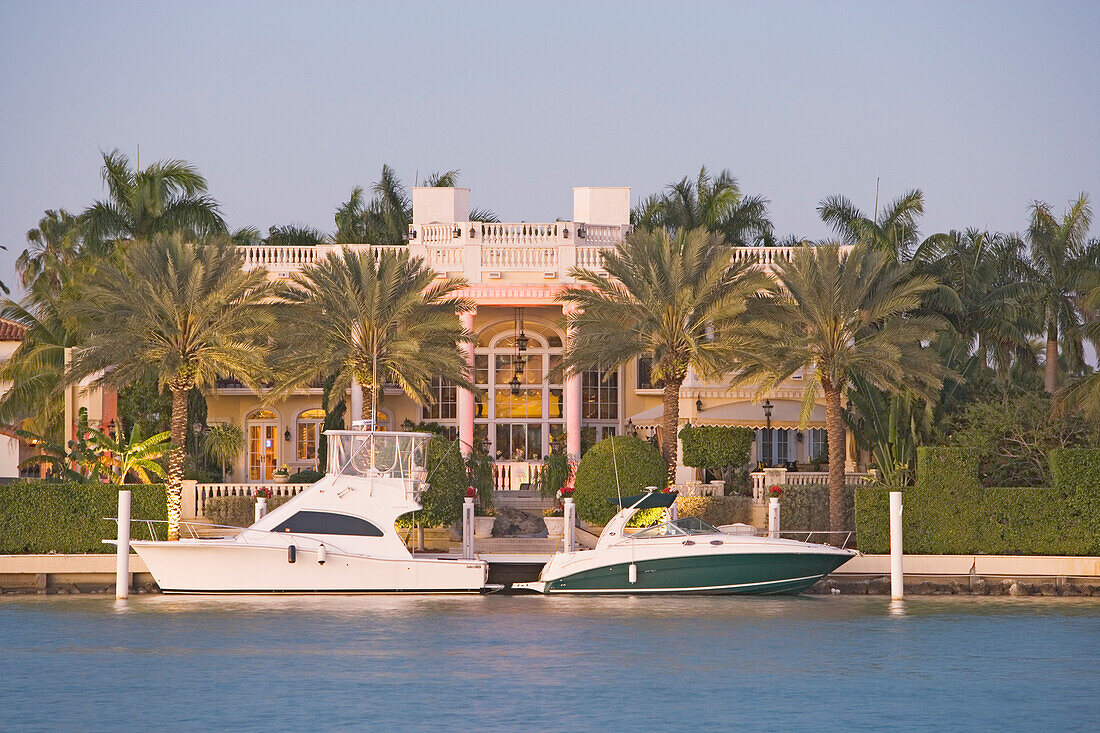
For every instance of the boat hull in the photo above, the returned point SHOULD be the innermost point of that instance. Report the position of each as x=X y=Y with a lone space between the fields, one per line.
x=204 y=566
x=718 y=574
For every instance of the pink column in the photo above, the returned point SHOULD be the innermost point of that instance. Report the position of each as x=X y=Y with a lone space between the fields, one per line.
x=572 y=401
x=465 y=397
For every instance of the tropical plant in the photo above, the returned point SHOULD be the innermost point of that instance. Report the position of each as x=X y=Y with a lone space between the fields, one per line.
x=124 y=456
x=713 y=203
x=373 y=317
x=838 y=316
x=167 y=196
x=676 y=299
x=81 y=452
x=188 y=313
x=223 y=442
x=34 y=370
x=55 y=245
x=1063 y=265
x=293 y=235
x=620 y=466
x=894 y=230
x=554 y=476
x=385 y=218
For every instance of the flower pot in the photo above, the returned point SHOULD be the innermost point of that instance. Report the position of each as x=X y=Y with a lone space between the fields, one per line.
x=280 y=479
x=555 y=526
x=483 y=526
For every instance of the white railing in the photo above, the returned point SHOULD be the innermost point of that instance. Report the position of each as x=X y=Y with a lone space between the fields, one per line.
x=502 y=247
x=516 y=475
x=761 y=482
x=210 y=491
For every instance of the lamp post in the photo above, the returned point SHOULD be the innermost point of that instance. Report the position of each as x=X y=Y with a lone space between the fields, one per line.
x=768 y=413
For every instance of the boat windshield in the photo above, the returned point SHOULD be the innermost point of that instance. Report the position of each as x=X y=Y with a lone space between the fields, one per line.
x=379 y=454
x=679 y=528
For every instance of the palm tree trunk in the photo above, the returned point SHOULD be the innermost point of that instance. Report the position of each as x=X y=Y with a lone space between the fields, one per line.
x=368 y=403
x=178 y=427
x=834 y=427
x=1051 y=366
x=670 y=424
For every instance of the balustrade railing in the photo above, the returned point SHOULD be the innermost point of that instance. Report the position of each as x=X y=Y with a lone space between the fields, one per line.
x=761 y=482
x=517 y=475
x=210 y=491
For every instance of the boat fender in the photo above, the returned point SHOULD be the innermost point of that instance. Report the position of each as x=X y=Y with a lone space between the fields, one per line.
x=322 y=555
x=632 y=573
x=291 y=553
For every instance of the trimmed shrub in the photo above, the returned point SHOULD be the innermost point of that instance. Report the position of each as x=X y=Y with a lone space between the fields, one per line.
x=807 y=507
x=447 y=481
x=948 y=513
x=715 y=447
x=639 y=465
x=306 y=477
x=238 y=511
x=716 y=510
x=47 y=516
x=947 y=469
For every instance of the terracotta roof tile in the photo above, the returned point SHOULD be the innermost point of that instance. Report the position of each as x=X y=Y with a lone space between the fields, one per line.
x=10 y=331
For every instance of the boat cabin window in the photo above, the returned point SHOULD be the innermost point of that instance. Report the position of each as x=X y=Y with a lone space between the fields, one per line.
x=680 y=528
x=311 y=522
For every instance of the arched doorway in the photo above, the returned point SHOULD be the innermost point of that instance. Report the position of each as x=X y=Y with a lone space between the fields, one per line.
x=263 y=444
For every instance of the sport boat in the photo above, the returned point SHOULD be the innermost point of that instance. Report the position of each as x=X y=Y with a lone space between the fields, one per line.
x=337 y=536
x=685 y=555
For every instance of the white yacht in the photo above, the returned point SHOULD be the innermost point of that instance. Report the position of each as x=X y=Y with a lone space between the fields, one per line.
x=685 y=555
x=337 y=536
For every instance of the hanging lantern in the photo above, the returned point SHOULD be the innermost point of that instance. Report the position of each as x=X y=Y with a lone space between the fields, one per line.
x=515 y=386
x=519 y=362
x=521 y=341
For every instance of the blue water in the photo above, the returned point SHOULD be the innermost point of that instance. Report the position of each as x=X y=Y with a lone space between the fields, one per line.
x=533 y=663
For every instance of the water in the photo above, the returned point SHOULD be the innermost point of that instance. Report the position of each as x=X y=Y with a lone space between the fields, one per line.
x=528 y=662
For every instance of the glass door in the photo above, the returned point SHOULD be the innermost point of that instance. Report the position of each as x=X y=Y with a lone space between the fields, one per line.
x=262 y=458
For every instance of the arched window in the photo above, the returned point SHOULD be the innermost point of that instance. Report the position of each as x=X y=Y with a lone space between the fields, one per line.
x=309 y=430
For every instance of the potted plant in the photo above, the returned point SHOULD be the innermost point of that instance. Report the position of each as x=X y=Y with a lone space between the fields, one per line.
x=483 y=523
x=281 y=474
x=555 y=522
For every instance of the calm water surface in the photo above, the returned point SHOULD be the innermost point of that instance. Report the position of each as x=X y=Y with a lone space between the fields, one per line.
x=533 y=663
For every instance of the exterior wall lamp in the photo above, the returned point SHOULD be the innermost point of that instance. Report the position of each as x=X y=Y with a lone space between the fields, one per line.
x=457 y=232
x=768 y=413
x=412 y=233
x=473 y=232
x=565 y=232
x=582 y=232
x=699 y=405
x=286 y=435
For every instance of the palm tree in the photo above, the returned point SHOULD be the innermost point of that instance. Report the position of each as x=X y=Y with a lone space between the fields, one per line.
x=385 y=219
x=374 y=317
x=715 y=204
x=291 y=235
x=54 y=246
x=34 y=370
x=133 y=455
x=167 y=196
x=1062 y=263
x=895 y=229
x=185 y=312
x=223 y=442
x=675 y=298
x=839 y=317
x=1084 y=392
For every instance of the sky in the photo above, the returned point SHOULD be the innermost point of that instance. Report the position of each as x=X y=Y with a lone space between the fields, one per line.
x=284 y=107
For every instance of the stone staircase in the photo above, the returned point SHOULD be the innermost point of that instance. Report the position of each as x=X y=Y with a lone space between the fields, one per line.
x=527 y=501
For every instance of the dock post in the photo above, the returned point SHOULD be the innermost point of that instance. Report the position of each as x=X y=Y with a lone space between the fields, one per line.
x=468 y=528
x=897 y=578
x=122 y=566
x=569 y=520
x=261 y=508
x=773 y=516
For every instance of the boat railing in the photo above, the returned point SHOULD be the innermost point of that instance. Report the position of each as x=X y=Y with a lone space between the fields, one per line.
x=243 y=533
x=847 y=537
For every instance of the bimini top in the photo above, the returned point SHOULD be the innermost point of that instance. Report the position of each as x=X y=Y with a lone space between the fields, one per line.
x=652 y=500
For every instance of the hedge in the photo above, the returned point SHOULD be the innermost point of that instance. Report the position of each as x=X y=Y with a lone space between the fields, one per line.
x=947 y=512
x=47 y=516
x=307 y=476
x=715 y=447
x=806 y=507
x=716 y=510
x=238 y=511
x=639 y=465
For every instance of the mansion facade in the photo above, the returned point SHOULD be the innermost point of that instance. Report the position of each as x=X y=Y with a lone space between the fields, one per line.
x=528 y=408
